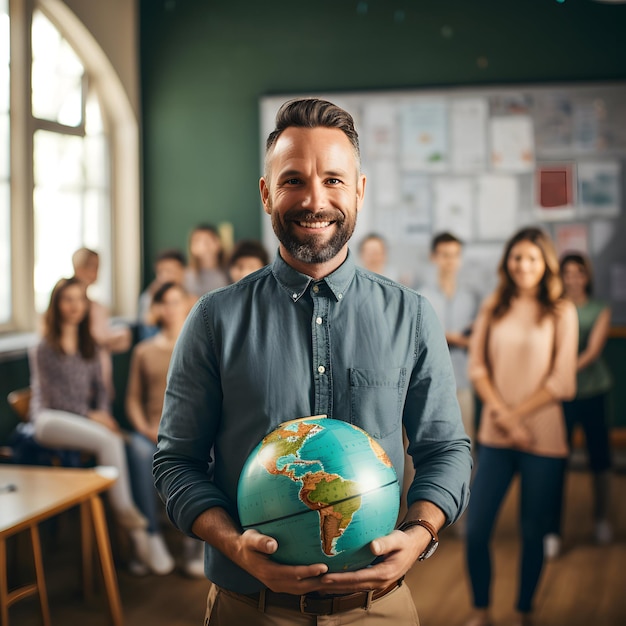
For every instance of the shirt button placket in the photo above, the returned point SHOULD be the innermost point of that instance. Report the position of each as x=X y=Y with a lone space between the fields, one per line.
x=321 y=342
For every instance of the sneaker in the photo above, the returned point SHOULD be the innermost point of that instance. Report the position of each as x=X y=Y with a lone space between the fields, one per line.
x=603 y=532
x=137 y=568
x=551 y=546
x=161 y=561
x=193 y=558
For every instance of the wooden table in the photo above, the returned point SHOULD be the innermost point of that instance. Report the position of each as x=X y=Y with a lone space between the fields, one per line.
x=29 y=495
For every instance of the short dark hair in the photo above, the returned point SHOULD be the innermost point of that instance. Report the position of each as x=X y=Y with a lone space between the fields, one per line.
x=171 y=254
x=444 y=237
x=313 y=113
x=159 y=294
x=249 y=248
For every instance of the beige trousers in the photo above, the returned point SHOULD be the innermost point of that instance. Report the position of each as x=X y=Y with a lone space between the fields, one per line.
x=225 y=608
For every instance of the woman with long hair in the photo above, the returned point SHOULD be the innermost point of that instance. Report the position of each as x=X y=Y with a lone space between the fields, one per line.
x=588 y=409
x=70 y=403
x=522 y=364
x=206 y=261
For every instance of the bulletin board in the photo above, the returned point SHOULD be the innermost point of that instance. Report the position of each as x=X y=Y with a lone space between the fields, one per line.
x=483 y=162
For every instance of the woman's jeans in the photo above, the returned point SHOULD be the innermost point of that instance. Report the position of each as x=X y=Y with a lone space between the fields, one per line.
x=539 y=486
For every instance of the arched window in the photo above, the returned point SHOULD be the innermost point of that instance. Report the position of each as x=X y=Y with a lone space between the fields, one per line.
x=68 y=163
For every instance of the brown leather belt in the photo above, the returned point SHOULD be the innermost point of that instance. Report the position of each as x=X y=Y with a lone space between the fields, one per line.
x=315 y=604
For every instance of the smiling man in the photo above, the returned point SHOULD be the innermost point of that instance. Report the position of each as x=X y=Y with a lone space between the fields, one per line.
x=310 y=334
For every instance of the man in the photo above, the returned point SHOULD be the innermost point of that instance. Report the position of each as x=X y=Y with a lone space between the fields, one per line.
x=310 y=334
x=373 y=255
x=456 y=308
x=169 y=267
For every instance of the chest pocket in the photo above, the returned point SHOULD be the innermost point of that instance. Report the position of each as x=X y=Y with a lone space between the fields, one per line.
x=377 y=398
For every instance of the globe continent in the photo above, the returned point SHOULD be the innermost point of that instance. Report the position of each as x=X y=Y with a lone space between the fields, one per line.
x=323 y=488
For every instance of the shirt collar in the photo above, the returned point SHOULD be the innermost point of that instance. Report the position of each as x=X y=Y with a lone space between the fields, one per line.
x=296 y=284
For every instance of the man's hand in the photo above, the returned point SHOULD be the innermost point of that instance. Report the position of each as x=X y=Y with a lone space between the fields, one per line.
x=253 y=555
x=396 y=553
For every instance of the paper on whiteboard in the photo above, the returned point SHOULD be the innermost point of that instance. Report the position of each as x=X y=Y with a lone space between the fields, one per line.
x=571 y=238
x=453 y=204
x=600 y=234
x=379 y=137
x=417 y=197
x=512 y=144
x=468 y=134
x=385 y=183
x=498 y=200
x=600 y=188
x=425 y=136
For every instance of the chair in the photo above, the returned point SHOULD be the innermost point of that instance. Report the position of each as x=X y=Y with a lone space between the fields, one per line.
x=23 y=449
x=19 y=401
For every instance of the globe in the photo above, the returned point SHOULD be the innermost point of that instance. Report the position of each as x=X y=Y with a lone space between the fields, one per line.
x=324 y=489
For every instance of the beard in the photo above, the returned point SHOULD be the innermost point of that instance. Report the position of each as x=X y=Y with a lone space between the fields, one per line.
x=313 y=248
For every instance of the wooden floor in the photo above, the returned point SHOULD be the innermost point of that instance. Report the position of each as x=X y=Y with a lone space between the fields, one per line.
x=586 y=586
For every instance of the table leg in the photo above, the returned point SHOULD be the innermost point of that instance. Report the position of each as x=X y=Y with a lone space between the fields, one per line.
x=106 y=560
x=86 y=535
x=4 y=585
x=39 y=575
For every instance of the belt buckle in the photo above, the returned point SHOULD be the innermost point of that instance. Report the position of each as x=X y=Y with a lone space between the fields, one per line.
x=303 y=606
x=368 y=600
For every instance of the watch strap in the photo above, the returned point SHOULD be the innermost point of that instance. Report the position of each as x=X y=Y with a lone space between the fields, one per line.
x=434 y=542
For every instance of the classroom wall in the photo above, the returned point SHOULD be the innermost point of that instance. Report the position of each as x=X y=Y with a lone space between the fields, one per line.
x=204 y=66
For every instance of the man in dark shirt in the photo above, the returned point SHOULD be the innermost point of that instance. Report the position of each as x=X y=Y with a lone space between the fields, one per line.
x=310 y=334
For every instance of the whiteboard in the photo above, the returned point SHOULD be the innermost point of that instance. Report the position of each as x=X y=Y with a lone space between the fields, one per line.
x=482 y=162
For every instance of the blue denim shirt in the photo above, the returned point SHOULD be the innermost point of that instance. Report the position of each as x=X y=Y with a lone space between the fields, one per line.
x=279 y=345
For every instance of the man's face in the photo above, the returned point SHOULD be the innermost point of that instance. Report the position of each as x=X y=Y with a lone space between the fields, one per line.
x=312 y=191
x=447 y=257
x=169 y=271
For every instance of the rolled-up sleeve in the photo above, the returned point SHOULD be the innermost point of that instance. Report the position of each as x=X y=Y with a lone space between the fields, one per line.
x=191 y=414
x=561 y=382
x=477 y=362
x=438 y=444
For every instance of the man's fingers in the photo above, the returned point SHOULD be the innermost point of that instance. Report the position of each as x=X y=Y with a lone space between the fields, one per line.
x=259 y=542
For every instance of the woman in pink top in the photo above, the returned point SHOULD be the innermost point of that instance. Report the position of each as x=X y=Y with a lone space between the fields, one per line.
x=522 y=363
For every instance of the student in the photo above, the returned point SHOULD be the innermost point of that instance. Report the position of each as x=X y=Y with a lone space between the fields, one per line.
x=589 y=407
x=110 y=339
x=169 y=267
x=311 y=334
x=522 y=364
x=247 y=257
x=373 y=255
x=70 y=405
x=456 y=308
x=206 y=258
x=144 y=403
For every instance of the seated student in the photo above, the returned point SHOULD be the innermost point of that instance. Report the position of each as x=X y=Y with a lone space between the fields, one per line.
x=110 y=339
x=144 y=402
x=169 y=267
x=70 y=404
x=247 y=257
x=206 y=257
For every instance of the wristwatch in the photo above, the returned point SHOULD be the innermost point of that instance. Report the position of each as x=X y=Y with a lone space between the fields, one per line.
x=434 y=541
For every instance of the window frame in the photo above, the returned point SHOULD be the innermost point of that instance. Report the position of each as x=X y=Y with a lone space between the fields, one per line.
x=124 y=162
